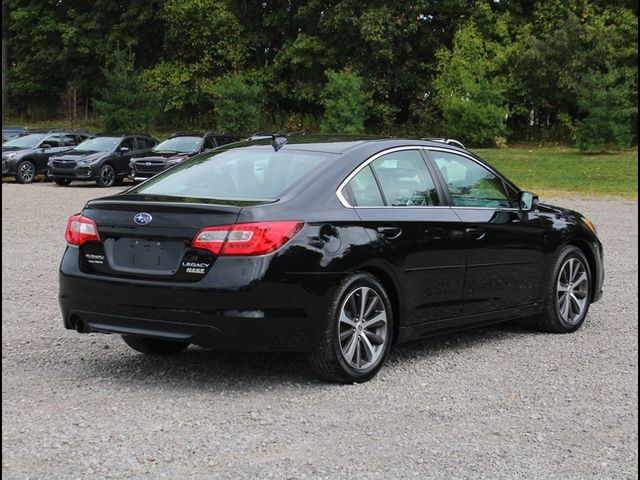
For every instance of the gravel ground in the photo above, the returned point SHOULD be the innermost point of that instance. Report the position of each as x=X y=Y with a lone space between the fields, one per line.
x=500 y=402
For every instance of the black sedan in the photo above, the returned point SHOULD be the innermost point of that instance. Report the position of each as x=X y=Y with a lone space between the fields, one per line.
x=335 y=247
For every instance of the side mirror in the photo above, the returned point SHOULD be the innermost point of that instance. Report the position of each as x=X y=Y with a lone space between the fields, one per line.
x=527 y=201
x=45 y=146
x=123 y=149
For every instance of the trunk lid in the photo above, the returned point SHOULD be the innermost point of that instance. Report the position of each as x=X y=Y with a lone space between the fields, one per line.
x=150 y=237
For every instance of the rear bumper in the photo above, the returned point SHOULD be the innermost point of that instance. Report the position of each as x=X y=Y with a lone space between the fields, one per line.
x=266 y=315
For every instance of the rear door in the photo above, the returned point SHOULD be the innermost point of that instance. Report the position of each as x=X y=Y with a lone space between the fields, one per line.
x=505 y=250
x=420 y=238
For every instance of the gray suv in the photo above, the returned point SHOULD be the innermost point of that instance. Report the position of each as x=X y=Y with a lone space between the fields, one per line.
x=27 y=155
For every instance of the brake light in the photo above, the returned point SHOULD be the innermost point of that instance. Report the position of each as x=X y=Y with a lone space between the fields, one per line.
x=246 y=238
x=81 y=230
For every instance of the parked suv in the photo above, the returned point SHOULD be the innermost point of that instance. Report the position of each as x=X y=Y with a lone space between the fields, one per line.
x=27 y=155
x=104 y=159
x=173 y=150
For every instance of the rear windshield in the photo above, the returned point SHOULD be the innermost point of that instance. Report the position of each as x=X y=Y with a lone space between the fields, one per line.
x=235 y=174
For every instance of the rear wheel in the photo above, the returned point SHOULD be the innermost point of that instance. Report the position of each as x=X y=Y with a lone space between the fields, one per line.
x=106 y=176
x=63 y=182
x=568 y=293
x=26 y=172
x=152 y=346
x=358 y=333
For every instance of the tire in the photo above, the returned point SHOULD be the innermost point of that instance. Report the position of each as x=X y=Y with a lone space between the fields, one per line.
x=25 y=172
x=335 y=358
x=152 y=346
x=63 y=182
x=567 y=300
x=106 y=176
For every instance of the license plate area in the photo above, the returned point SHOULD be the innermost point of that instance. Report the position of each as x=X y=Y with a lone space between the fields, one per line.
x=148 y=256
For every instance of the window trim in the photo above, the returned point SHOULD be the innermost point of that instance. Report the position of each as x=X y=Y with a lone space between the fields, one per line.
x=345 y=202
x=443 y=191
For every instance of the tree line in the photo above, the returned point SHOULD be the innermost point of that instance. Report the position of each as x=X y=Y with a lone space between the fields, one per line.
x=485 y=72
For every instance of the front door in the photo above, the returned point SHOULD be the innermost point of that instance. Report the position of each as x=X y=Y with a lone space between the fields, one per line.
x=122 y=157
x=505 y=249
x=402 y=210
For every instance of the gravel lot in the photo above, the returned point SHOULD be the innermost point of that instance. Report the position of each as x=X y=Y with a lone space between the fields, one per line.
x=500 y=402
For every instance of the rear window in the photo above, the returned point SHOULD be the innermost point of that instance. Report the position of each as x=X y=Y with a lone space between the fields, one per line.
x=235 y=174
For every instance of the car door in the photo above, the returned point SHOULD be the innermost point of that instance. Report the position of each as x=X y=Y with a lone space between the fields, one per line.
x=122 y=157
x=505 y=250
x=420 y=238
x=49 y=146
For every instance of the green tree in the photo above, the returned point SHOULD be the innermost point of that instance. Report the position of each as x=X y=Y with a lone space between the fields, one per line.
x=605 y=103
x=470 y=85
x=346 y=103
x=237 y=104
x=125 y=105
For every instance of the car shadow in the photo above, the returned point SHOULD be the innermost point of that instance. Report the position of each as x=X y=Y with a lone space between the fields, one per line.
x=216 y=370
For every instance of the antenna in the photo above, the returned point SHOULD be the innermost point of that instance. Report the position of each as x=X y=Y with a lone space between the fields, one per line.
x=278 y=141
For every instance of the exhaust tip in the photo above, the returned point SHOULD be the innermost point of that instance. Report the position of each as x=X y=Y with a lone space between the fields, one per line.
x=81 y=326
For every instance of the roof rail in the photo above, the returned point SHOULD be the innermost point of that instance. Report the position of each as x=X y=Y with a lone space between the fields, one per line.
x=448 y=141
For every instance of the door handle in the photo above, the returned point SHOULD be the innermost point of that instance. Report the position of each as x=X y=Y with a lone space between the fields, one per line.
x=390 y=233
x=475 y=233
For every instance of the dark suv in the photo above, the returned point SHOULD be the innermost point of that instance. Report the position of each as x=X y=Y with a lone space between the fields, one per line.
x=104 y=159
x=27 y=155
x=173 y=150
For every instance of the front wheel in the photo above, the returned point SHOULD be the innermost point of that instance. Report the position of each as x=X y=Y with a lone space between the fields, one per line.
x=106 y=176
x=568 y=293
x=358 y=332
x=152 y=346
x=26 y=172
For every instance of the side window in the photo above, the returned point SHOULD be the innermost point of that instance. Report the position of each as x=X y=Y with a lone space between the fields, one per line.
x=52 y=141
x=364 y=190
x=69 y=140
x=210 y=143
x=405 y=179
x=128 y=143
x=470 y=184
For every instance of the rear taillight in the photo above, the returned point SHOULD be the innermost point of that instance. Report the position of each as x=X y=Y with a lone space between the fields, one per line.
x=246 y=238
x=81 y=230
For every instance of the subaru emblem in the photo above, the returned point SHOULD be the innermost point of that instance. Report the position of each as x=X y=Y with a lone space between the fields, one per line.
x=142 y=218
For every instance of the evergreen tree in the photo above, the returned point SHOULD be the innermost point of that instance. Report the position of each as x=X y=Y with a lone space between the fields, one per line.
x=237 y=104
x=124 y=105
x=607 y=108
x=345 y=102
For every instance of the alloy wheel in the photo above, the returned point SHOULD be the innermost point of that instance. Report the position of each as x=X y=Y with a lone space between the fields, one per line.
x=108 y=176
x=362 y=329
x=572 y=290
x=27 y=172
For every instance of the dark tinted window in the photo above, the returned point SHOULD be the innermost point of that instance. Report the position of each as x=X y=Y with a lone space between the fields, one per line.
x=70 y=140
x=471 y=184
x=405 y=179
x=235 y=174
x=52 y=141
x=364 y=189
x=128 y=143
x=209 y=143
